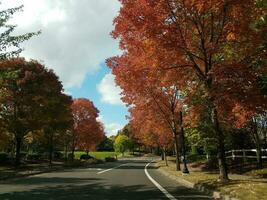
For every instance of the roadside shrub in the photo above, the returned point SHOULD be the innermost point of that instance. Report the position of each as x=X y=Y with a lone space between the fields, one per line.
x=3 y=157
x=23 y=155
x=196 y=158
x=34 y=156
x=94 y=161
x=71 y=156
x=212 y=163
x=85 y=157
x=58 y=155
x=110 y=159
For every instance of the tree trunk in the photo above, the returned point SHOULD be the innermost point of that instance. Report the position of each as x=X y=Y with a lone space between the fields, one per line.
x=185 y=169
x=162 y=154
x=50 y=149
x=165 y=157
x=258 y=144
x=176 y=147
x=221 y=149
x=72 y=149
x=18 y=148
x=259 y=157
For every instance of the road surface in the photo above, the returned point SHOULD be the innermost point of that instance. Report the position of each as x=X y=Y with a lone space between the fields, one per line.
x=131 y=179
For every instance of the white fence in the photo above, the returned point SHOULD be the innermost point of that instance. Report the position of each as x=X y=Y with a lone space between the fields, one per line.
x=245 y=154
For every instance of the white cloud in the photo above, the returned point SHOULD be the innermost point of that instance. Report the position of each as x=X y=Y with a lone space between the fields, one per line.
x=110 y=92
x=112 y=128
x=75 y=36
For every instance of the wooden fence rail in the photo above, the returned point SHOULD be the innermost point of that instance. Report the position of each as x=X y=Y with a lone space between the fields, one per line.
x=243 y=153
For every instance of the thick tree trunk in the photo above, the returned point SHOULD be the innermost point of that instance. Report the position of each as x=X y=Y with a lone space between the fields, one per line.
x=185 y=169
x=177 y=154
x=221 y=149
x=18 y=148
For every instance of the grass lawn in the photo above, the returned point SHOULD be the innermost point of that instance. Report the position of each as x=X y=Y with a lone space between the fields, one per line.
x=240 y=187
x=98 y=155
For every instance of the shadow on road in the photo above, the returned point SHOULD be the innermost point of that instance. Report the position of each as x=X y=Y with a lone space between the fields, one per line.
x=92 y=191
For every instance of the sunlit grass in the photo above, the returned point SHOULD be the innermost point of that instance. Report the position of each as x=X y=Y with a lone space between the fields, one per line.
x=98 y=155
x=243 y=189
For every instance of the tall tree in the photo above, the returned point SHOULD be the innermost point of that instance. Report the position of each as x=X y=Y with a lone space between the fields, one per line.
x=25 y=98
x=87 y=131
x=211 y=45
x=9 y=43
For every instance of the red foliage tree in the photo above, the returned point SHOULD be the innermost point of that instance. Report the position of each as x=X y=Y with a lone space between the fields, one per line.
x=87 y=131
x=212 y=45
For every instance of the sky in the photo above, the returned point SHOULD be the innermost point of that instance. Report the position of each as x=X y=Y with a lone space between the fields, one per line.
x=75 y=41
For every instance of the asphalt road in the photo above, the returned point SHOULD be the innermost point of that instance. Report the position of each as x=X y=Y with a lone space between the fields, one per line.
x=122 y=180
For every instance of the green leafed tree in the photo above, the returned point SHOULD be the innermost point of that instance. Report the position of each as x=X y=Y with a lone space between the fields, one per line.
x=122 y=143
x=9 y=42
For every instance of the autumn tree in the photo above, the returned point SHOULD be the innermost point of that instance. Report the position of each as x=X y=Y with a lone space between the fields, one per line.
x=211 y=45
x=27 y=94
x=87 y=131
x=122 y=143
x=150 y=129
x=56 y=117
x=10 y=43
x=146 y=88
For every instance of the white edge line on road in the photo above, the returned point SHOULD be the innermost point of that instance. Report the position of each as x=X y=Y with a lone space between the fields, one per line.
x=165 y=192
x=111 y=168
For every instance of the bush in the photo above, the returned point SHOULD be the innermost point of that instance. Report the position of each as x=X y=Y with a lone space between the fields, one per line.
x=3 y=157
x=212 y=163
x=196 y=158
x=94 y=161
x=58 y=155
x=85 y=157
x=71 y=156
x=110 y=159
x=34 y=156
x=23 y=155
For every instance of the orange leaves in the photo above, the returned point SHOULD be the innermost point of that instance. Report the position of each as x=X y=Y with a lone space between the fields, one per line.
x=204 y=48
x=89 y=132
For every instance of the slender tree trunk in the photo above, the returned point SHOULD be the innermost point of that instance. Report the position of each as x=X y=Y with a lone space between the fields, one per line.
x=18 y=148
x=221 y=149
x=72 y=148
x=162 y=154
x=87 y=152
x=165 y=157
x=185 y=169
x=258 y=144
x=51 y=148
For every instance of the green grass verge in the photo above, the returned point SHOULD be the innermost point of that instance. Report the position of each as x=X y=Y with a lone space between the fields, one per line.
x=240 y=187
x=97 y=155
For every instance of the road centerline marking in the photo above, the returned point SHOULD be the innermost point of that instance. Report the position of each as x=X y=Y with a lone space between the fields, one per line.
x=164 y=191
x=111 y=168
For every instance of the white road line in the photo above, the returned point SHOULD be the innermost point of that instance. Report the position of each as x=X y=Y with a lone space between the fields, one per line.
x=111 y=169
x=165 y=192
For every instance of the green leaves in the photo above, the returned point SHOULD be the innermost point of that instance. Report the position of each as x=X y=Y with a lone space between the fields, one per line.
x=10 y=44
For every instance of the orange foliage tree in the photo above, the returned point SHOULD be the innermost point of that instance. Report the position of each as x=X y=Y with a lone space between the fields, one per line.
x=87 y=131
x=210 y=45
x=151 y=90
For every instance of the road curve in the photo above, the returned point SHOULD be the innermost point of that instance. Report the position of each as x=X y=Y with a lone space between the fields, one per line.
x=131 y=179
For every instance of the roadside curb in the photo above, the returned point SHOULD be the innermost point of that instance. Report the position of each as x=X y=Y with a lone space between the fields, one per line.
x=198 y=186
